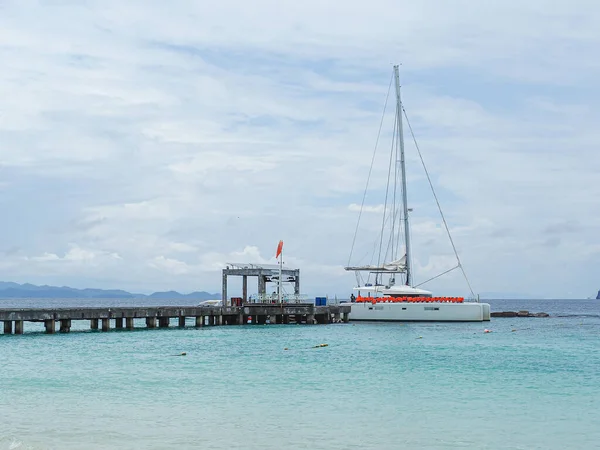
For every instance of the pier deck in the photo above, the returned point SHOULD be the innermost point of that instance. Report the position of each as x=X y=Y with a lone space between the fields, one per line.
x=123 y=317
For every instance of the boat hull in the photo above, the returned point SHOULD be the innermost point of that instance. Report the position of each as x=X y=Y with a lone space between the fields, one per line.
x=420 y=312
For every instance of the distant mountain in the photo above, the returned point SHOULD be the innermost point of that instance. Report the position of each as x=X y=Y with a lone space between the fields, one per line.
x=15 y=290
x=192 y=296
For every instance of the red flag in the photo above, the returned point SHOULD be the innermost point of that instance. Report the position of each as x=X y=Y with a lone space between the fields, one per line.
x=279 y=248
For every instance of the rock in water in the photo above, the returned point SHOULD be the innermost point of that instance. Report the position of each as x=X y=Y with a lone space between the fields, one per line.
x=504 y=314
x=598 y=296
x=518 y=314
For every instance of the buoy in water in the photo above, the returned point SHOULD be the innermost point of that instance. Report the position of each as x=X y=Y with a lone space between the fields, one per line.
x=321 y=345
x=487 y=331
x=249 y=319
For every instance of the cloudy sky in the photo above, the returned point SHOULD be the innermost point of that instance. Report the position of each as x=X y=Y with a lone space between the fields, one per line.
x=144 y=144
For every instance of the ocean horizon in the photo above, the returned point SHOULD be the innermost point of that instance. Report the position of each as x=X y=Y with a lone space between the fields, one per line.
x=532 y=383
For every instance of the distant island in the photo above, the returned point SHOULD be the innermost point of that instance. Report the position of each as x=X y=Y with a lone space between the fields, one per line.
x=15 y=290
x=598 y=296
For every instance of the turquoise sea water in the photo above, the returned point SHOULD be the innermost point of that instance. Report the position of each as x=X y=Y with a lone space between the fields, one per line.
x=383 y=386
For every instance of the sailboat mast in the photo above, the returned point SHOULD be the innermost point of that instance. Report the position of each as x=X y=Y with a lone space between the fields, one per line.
x=403 y=168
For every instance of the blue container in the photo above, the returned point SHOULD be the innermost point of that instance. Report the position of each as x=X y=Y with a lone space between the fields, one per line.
x=320 y=301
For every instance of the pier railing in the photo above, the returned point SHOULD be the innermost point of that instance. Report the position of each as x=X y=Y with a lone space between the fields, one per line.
x=274 y=298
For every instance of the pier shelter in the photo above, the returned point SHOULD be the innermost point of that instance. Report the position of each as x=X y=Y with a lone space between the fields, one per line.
x=265 y=273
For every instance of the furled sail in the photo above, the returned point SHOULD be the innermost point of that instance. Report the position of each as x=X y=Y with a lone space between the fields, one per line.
x=397 y=266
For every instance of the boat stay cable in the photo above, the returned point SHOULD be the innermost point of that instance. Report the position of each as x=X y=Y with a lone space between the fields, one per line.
x=385 y=204
x=370 y=169
x=459 y=265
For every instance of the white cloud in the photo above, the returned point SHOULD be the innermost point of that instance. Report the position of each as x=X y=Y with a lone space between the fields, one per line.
x=46 y=257
x=169 y=265
x=366 y=208
x=136 y=149
x=77 y=255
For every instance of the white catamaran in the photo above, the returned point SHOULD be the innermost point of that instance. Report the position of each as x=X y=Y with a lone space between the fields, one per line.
x=382 y=300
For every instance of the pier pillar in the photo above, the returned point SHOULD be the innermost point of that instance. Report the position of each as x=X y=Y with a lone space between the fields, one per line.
x=262 y=285
x=224 y=290
x=310 y=319
x=163 y=322
x=65 y=325
x=93 y=324
x=240 y=318
x=181 y=321
x=129 y=323
x=297 y=283
x=245 y=288
x=50 y=325
x=119 y=322
x=151 y=322
x=336 y=317
x=18 y=327
x=219 y=319
x=346 y=317
x=199 y=321
x=105 y=324
x=8 y=327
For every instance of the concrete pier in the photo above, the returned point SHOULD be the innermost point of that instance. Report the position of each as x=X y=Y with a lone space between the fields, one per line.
x=261 y=313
